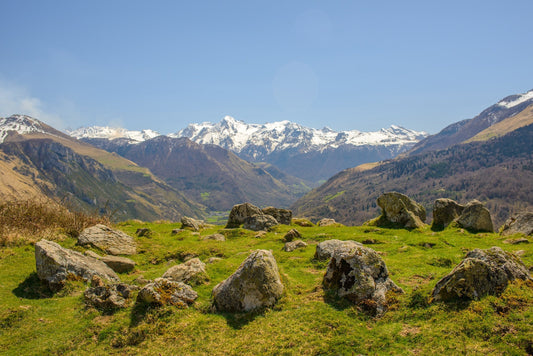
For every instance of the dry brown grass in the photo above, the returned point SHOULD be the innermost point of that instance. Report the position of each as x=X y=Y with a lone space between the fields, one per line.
x=27 y=221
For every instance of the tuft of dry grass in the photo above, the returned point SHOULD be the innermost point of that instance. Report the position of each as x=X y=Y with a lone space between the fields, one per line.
x=27 y=221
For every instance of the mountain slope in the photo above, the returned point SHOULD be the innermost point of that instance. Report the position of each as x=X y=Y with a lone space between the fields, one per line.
x=498 y=172
x=209 y=174
x=464 y=130
x=55 y=165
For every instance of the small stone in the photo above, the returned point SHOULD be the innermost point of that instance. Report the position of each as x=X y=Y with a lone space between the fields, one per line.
x=166 y=292
x=213 y=260
x=293 y=245
x=191 y=271
x=108 y=297
x=291 y=235
x=176 y=231
x=516 y=241
x=260 y=234
x=214 y=237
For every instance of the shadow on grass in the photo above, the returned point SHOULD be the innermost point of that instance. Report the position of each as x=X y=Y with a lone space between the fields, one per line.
x=239 y=320
x=32 y=288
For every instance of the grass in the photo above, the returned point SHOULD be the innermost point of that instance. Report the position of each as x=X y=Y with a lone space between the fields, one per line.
x=304 y=322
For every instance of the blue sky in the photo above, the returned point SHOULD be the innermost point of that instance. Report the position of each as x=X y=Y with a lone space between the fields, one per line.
x=343 y=64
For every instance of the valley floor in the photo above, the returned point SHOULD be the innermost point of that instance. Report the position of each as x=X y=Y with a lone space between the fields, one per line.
x=306 y=321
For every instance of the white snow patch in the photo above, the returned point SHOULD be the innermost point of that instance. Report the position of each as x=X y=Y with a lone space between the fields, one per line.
x=521 y=98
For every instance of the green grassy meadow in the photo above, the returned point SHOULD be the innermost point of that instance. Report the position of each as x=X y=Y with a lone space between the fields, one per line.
x=306 y=321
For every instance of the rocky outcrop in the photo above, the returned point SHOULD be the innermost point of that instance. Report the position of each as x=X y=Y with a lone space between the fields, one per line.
x=259 y=222
x=163 y=291
x=56 y=264
x=108 y=297
x=398 y=210
x=327 y=222
x=214 y=237
x=445 y=211
x=360 y=275
x=294 y=245
x=239 y=213
x=113 y=242
x=191 y=272
x=283 y=216
x=519 y=223
x=256 y=284
x=482 y=272
x=118 y=264
x=291 y=235
x=325 y=249
x=191 y=224
x=475 y=218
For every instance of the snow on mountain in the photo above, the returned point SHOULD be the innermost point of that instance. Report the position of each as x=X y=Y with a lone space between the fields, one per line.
x=113 y=133
x=514 y=100
x=20 y=124
x=236 y=136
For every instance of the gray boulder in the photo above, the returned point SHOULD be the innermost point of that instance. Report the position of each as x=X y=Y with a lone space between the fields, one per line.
x=191 y=224
x=283 y=216
x=325 y=249
x=327 y=222
x=113 y=242
x=294 y=245
x=108 y=297
x=191 y=271
x=519 y=223
x=445 y=211
x=360 y=275
x=398 y=210
x=214 y=237
x=56 y=264
x=475 y=218
x=118 y=264
x=259 y=222
x=291 y=235
x=163 y=291
x=256 y=284
x=239 y=213
x=482 y=272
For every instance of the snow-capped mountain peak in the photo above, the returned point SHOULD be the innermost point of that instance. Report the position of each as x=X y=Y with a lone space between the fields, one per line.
x=113 y=133
x=20 y=124
x=514 y=100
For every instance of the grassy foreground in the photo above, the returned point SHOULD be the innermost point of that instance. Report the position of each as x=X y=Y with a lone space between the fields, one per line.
x=304 y=322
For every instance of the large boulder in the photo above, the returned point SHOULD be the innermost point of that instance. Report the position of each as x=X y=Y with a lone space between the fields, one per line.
x=445 y=211
x=56 y=264
x=283 y=216
x=191 y=224
x=360 y=275
x=482 y=272
x=113 y=242
x=108 y=297
x=163 y=291
x=191 y=271
x=260 y=222
x=519 y=223
x=239 y=213
x=475 y=218
x=256 y=284
x=325 y=249
x=398 y=210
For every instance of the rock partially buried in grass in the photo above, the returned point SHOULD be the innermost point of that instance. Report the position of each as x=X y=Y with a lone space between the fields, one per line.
x=303 y=222
x=294 y=245
x=482 y=272
x=360 y=275
x=325 y=249
x=143 y=232
x=327 y=222
x=291 y=235
x=191 y=271
x=214 y=237
x=113 y=242
x=255 y=285
x=163 y=291
x=56 y=264
x=108 y=297
x=118 y=264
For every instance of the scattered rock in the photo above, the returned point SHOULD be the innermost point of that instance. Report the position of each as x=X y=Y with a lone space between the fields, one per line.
x=239 y=213
x=398 y=210
x=291 y=235
x=176 y=231
x=192 y=224
x=213 y=260
x=327 y=222
x=215 y=237
x=370 y=242
x=141 y=281
x=259 y=222
x=444 y=212
x=118 y=264
x=325 y=249
x=108 y=297
x=191 y=271
x=293 y=245
x=56 y=264
x=283 y=216
x=113 y=242
x=260 y=234
x=143 y=232
x=520 y=223
x=516 y=241
x=482 y=272
x=360 y=275
x=475 y=218
x=302 y=222
x=256 y=284
x=166 y=292
x=427 y=244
